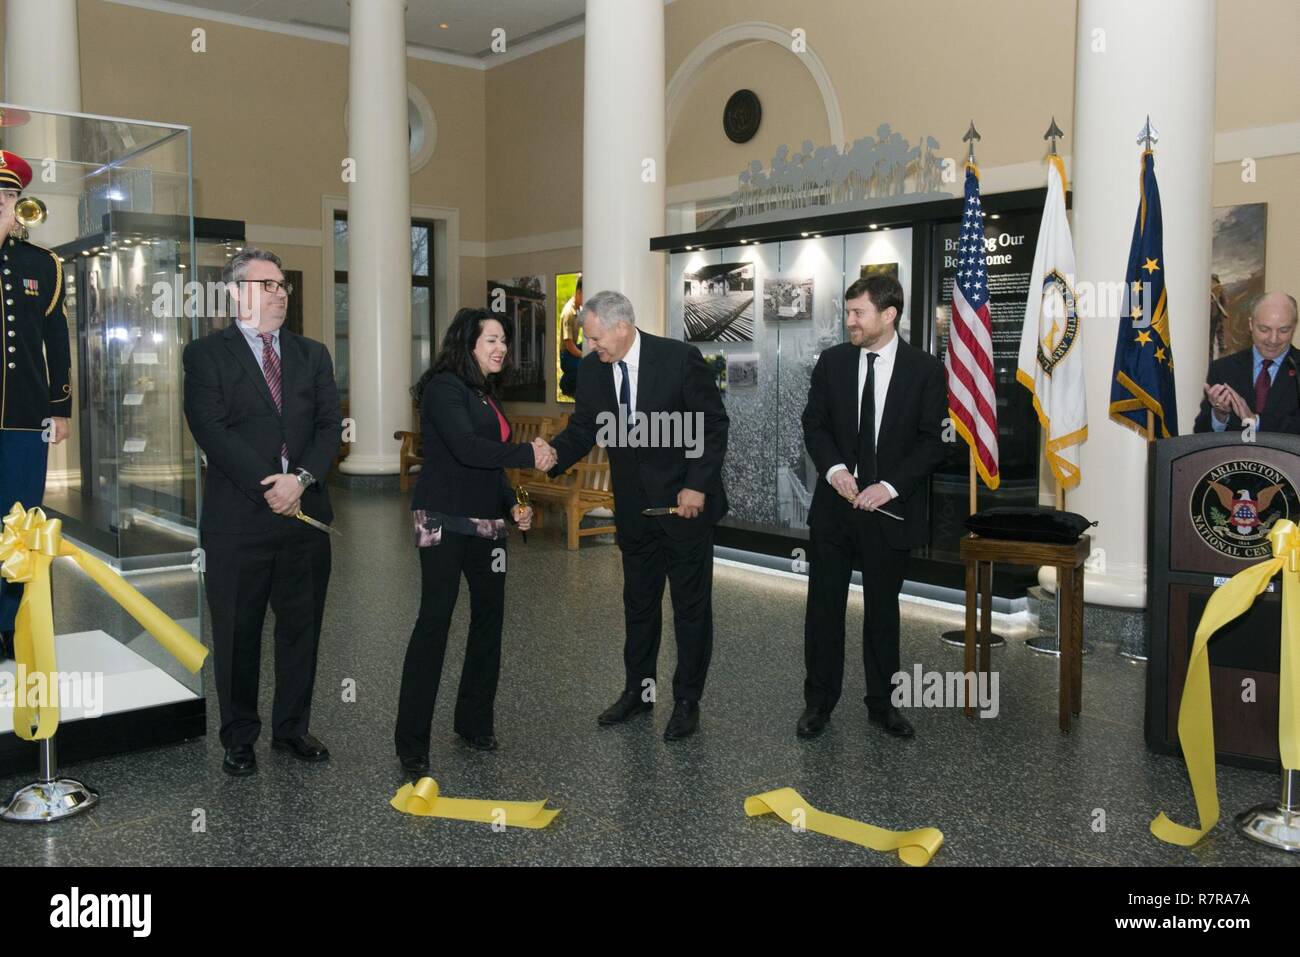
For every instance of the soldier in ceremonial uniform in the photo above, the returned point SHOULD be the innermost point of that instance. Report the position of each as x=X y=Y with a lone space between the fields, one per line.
x=35 y=367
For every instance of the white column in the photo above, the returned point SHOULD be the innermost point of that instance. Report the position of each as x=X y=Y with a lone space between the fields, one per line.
x=1133 y=58
x=379 y=237
x=42 y=65
x=623 y=153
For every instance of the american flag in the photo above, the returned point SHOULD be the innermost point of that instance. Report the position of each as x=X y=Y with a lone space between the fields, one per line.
x=972 y=402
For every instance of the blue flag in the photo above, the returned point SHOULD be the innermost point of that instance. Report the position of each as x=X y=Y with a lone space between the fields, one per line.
x=1144 y=358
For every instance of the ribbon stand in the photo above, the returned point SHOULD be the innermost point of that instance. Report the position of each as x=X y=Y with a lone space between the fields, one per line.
x=49 y=798
x=957 y=637
x=1277 y=825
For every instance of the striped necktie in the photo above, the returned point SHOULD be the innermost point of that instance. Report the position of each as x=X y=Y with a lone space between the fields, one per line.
x=271 y=369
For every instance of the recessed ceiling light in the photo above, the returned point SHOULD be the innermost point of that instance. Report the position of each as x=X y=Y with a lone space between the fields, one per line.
x=994 y=216
x=817 y=235
x=443 y=26
x=873 y=225
x=805 y=235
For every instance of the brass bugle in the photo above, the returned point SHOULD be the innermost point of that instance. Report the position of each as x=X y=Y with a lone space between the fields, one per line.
x=30 y=211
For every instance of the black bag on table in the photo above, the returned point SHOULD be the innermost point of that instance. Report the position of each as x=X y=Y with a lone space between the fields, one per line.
x=1021 y=524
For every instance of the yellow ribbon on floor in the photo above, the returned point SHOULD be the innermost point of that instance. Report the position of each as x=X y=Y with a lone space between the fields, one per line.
x=423 y=800
x=1195 y=714
x=914 y=847
x=28 y=546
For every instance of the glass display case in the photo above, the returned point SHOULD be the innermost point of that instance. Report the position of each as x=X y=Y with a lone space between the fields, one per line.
x=124 y=484
x=762 y=301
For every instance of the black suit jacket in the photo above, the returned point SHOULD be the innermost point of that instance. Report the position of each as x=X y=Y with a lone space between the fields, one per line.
x=908 y=449
x=235 y=422
x=464 y=454
x=1282 y=410
x=672 y=377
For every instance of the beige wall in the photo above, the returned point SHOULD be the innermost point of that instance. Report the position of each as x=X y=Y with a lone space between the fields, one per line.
x=1278 y=184
x=509 y=153
x=534 y=143
x=267 y=115
x=698 y=149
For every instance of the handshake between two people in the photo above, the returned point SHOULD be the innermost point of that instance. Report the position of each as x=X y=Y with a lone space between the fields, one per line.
x=690 y=503
x=869 y=498
x=544 y=457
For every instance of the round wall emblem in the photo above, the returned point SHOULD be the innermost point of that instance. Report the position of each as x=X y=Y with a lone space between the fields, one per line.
x=741 y=116
x=1236 y=504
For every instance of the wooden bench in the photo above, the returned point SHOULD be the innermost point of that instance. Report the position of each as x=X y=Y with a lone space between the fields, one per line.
x=582 y=489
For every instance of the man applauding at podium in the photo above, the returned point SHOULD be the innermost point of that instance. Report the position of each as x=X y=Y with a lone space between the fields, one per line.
x=1257 y=385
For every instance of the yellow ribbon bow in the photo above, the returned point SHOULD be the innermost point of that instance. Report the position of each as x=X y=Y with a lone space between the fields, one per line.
x=914 y=847
x=28 y=546
x=1195 y=714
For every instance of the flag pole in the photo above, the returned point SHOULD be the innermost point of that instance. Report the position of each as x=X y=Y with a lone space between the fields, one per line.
x=973 y=508
x=1047 y=643
x=959 y=637
x=972 y=135
x=1054 y=133
x=1147 y=137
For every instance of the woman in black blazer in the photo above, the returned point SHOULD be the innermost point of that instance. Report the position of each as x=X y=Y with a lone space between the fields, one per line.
x=459 y=509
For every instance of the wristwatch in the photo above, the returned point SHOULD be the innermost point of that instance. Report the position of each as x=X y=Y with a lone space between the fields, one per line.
x=305 y=478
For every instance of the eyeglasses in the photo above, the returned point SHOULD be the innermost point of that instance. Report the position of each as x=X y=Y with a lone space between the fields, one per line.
x=272 y=285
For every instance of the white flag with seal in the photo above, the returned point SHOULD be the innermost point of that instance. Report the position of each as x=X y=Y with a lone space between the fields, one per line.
x=1051 y=355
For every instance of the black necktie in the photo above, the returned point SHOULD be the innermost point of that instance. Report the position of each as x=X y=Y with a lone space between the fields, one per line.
x=867 y=427
x=625 y=390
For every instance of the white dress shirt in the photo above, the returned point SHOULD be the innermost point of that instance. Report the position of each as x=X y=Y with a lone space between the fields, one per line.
x=633 y=360
x=884 y=370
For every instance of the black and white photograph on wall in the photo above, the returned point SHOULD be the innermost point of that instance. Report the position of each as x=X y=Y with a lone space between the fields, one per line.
x=719 y=304
x=1237 y=250
x=742 y=370
x=522 y=301
x=717 y=361
x=787 y=300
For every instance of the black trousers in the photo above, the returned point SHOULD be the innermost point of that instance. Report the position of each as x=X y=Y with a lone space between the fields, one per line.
x=482 y=562
x=649 y=558
x=832 y=549
x=290 y=568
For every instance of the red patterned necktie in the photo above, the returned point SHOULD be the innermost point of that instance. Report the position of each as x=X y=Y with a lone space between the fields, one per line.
x=271 y=369
x=1261 y=387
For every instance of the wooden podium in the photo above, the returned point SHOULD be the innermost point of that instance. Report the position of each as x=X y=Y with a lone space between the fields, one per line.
x=1213 y=500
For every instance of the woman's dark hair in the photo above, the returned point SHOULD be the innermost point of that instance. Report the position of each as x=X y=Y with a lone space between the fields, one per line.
x=457 y=352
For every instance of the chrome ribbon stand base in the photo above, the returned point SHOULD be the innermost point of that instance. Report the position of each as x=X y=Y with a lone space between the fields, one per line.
x=958 y=639
x=51 y=798
x=1277 y=825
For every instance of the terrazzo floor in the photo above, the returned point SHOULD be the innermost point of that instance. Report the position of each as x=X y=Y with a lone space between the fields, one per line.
x=1010 y=790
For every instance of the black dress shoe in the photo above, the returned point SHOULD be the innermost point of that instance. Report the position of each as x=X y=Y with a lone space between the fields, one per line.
x=628 y=704
x=305 y=748
x=685 y=720
x=414 y=765
x=893 y=722
x=480 y=742
x=811 y=723
x=6 y=645
x=240 y=760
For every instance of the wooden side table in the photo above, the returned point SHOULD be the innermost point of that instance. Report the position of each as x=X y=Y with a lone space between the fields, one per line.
x=979 y=554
